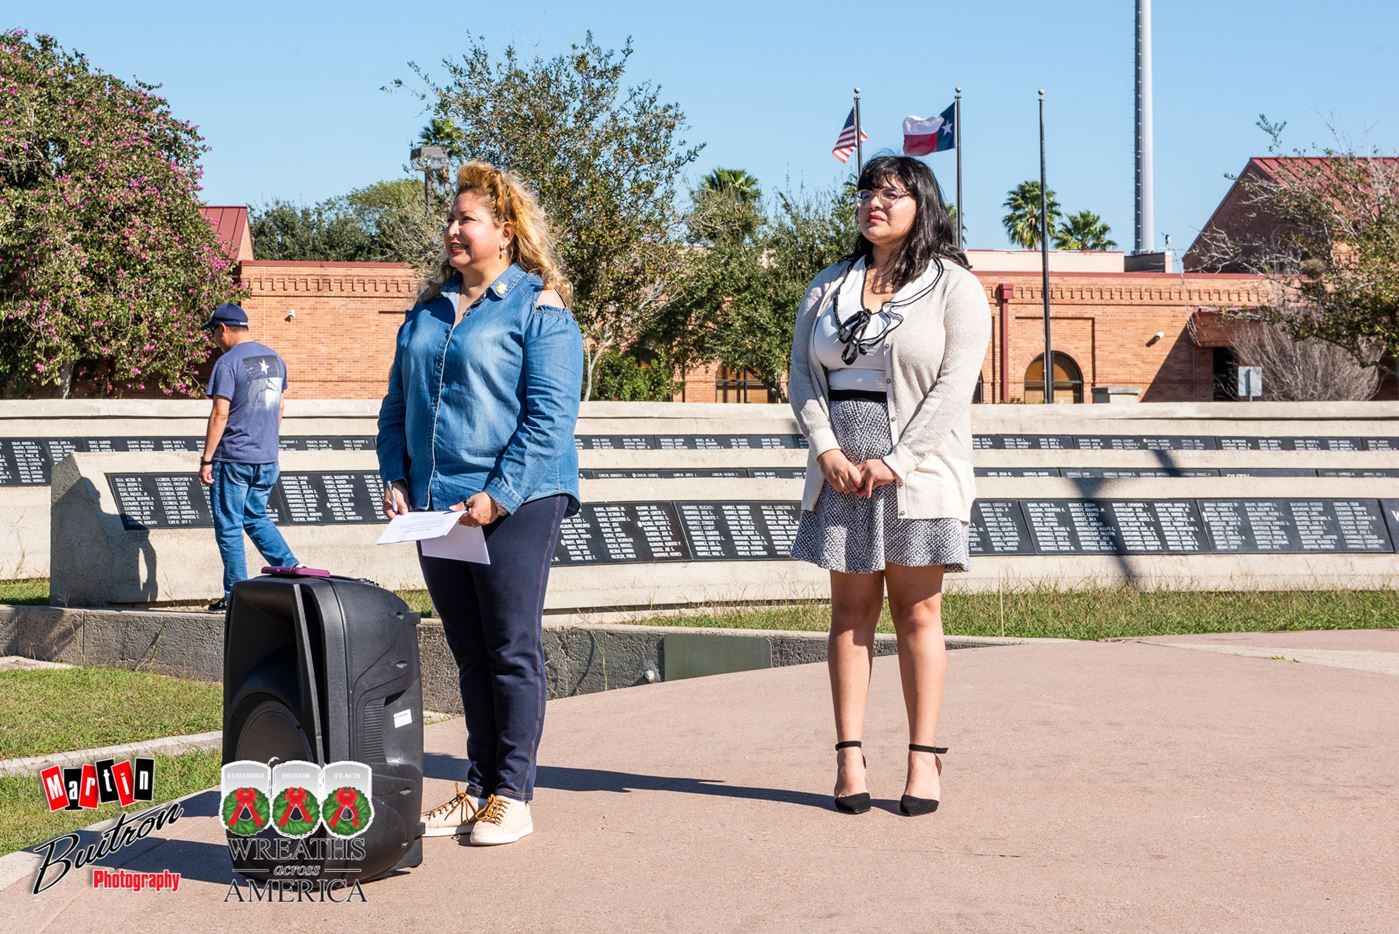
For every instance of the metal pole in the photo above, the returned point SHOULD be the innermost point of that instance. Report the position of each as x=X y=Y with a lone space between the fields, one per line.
x=427 y=194
x=957 y=138
x=1146 y=196
x=1044 y=266
x=859 y=147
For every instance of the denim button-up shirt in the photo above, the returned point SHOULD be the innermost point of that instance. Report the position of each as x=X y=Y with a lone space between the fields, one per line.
x=489 y=403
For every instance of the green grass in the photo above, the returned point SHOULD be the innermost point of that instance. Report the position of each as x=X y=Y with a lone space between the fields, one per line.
x=1100 y=614
x=25 y=592
x=25 y=818
x=64 y=709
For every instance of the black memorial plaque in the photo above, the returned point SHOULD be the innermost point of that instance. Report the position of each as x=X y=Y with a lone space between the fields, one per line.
x=1249 y=526
x=1257 y=526
x=1065 y=526
x=329 y=443
x=730 y=442
x=1158 y=526
x=998 y=528
x=168 y=501
x=1026 y=442
x=1016 y=471
x=616 y=442
x=777 y=473
x=1267 y=472
x=29 y=461
x=718 y=531
x=1119 y=473
x=1390 y=508
x=1372 y=472
x=1145 y=443
x=161 y=500
x=613 y=533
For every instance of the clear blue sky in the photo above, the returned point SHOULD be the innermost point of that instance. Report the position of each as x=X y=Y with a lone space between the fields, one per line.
x=288 y=94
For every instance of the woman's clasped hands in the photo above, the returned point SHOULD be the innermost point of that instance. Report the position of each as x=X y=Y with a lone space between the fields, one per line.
x=847 y=477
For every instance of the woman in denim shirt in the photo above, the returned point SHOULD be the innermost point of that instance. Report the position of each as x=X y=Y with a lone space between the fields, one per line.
x=479 y=417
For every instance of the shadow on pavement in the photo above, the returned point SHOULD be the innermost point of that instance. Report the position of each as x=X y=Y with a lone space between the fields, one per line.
x=452 y=768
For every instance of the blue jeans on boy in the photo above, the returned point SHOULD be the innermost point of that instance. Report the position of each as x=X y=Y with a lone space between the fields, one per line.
x=239 y=502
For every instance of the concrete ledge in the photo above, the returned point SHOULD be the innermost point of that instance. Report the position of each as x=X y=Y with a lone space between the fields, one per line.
x=579 y=659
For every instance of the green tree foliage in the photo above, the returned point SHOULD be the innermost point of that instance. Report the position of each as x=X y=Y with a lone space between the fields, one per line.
x=603 y=157
x=1083 y=231
x=737 y=300
x=1022 y=218
x=622 y=377
x=381 y=223
x=107 y=267
x=1325 y=237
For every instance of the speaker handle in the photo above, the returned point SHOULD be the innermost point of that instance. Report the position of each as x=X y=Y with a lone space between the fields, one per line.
x=308 y=671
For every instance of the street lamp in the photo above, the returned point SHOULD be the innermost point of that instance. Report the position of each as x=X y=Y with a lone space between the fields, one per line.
x=428 y=158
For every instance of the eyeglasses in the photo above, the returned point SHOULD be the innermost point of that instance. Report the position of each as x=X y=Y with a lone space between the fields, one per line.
x=888 y=195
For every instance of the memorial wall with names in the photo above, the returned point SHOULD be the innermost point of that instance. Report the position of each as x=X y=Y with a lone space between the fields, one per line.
x=703 y=530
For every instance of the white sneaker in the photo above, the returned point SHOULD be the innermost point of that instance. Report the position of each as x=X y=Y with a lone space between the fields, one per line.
x=455 y=816
x=502 y=820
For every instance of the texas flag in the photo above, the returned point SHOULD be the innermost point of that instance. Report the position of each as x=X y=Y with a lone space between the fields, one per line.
x=934 y=134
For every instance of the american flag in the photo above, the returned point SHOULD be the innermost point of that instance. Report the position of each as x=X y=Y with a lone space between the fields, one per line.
x=845 y=142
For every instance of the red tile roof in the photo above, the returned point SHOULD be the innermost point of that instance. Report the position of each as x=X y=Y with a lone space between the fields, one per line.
x=1282 y=169
x=230 y=225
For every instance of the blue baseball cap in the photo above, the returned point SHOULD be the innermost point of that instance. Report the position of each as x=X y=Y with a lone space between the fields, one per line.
x=227 y=313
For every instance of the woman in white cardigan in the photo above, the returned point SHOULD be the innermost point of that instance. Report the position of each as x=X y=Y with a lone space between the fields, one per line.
x=885 y=358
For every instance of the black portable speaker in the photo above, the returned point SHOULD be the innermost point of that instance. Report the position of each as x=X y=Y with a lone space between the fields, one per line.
x=325 y=669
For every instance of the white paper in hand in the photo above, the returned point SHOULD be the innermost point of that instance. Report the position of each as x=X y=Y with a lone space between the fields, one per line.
x=416 y=526
x=462 y=543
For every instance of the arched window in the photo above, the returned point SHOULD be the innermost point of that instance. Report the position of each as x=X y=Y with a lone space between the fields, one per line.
x=976 y=393
x=1068 y=379
x=732 y=385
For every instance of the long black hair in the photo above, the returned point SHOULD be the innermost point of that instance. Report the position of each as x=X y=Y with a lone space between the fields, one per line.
x=931 y=238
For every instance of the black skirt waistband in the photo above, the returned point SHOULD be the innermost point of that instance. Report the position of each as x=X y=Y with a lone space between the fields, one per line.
x=847 y=395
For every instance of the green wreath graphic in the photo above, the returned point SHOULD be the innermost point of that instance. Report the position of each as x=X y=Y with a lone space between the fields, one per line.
x=296 y=812
x=346 y=811
x=245 y=811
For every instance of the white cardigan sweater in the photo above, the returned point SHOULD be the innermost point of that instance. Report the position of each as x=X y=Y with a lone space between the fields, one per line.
x=931 y=364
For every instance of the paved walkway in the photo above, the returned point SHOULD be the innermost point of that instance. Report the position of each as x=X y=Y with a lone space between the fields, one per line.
x=1091 y=786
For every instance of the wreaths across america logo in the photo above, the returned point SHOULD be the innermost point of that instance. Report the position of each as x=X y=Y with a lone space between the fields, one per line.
x=294 y=798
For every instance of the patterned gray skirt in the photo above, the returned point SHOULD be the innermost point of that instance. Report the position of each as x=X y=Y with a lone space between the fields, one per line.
x=846 y=532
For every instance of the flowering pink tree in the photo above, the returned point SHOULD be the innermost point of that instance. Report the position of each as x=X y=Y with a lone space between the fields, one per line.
x=107 y=267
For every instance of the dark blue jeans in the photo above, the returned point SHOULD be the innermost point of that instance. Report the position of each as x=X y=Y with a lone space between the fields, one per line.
x=239 y=502
x=491 y=616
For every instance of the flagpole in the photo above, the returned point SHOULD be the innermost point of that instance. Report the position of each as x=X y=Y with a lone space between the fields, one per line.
x=957 y=138
x=1044 y=266
x=859 y=147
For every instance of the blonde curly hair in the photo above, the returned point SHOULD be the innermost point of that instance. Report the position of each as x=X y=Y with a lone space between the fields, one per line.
x=510 y=201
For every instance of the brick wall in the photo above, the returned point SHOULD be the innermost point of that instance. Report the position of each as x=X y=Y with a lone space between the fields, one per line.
x=340 y=343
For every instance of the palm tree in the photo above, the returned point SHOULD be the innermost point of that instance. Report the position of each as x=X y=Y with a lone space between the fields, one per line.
x=737 y=182
x=1022 y=222
x=1084 y=231
x=726 y=207
x=442 y=132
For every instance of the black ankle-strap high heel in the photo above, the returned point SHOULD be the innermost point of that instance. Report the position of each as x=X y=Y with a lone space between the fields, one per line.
x=856 y=803
x=909 y=806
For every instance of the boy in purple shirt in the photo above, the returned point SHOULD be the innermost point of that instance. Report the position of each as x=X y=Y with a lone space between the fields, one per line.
x=239 y=464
